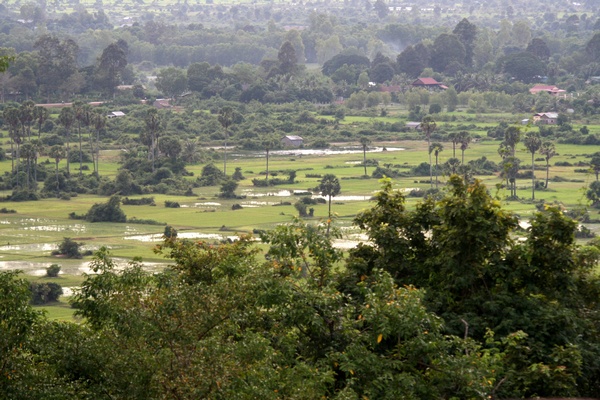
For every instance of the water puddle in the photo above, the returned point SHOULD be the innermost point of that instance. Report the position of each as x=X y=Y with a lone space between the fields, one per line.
x=158 y=237
x=322 y=152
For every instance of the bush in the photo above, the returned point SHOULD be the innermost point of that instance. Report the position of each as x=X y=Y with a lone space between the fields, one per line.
x=107 y=212
x=138 y=202
x=43 y=293
x=53 y=270
x=172 y=204
x=68 y=248
x=236 y=207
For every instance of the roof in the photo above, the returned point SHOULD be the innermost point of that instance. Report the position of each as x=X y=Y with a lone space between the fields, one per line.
x=551 y=115
x=293 y=137
x=426 y=81
x=118 y=113
x=546 y=88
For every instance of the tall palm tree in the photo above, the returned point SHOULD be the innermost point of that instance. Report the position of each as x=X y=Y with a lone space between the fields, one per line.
x=464 y=138
x=27 y=117
x=365 y=142
x=152 y=129
x=11 y=117
x=428 y=125
x=38 y=147
x=330 y=187
x=436 y=148
x=268 y=142
x=548 y=150
x=533 y=143
x=98 y=119
x=67 y=118
x=226 y=115
x=453 y=136
x=57 y=153
x=40 y=114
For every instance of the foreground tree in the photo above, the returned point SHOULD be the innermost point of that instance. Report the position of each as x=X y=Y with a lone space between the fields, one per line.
x=436 y=148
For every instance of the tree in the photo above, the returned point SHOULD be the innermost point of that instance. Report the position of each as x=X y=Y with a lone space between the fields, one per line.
x=464 y=139
x=548 y=150
x=539 y=48
x=446 y=51
x=593 y=193
x=226 y=115
x=111 y=65
x=532 y=143
x=40 y=115
x=57 y=65
x=228 y=189
x=330 y=187
x=5 y=62
x=467 y=34
x=595 y=164
x=411 y=62
x=153 y=127
x=436 y=148
x=98 y=120
x=11 y=118
x=428 y=125
x=69 y=248
x=287 y=58
x=107 y=212
x=171 y=81
x=57 y=153
x=67 y=118
x=170 y=147
x=365 y=142
x=268 y=142
x=592 y=48
x=524 y=66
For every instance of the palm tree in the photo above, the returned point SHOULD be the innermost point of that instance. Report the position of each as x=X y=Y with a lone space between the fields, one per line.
x=26 y=116
x=595 y=163
x=428 y=125
x=226 y=115
x=548 y=150
x=268 y=143
x=28 y=154
x=436 y=148
x=464 y=139
x=67 y=118
x=512 y=136
x=38 y=147
x=533 y=143
x=98 y=119
x=454 y=138
x=365 y=142
x=11 y=117
x=57 y=153
x=152 y=127
x=40 y=114
x=330 y=187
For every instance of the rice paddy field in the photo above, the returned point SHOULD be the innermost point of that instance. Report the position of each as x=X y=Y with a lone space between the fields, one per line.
x=28 y=236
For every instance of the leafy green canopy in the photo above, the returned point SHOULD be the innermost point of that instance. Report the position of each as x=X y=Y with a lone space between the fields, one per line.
x=222 y=323
x=481 y=272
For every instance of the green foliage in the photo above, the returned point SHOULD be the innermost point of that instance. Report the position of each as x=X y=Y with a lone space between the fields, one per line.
x=53 y=270
x=107 y=212
x=43 y=293
x=69 y=248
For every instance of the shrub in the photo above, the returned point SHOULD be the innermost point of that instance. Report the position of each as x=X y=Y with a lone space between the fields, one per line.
x=68 y=248
x=172 y=204
x=43 y=293
x=107 y=212
x=53 y=270
x=138 y=202
x=236 y=206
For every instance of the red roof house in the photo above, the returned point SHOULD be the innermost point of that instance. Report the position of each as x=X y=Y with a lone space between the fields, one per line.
x=552 y=90
x=429 y=83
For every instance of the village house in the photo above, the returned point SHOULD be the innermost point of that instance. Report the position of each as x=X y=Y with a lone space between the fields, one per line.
x=551 y=90
x=429 y=84
x=115 y=114
x=413 y=126
x=548 y=118
x=292 y=141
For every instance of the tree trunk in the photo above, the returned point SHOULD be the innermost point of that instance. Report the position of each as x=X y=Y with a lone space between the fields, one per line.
x=365 y=159
x=532 y=176
x=547 y=172
x=267 y=176
x=430 y=165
